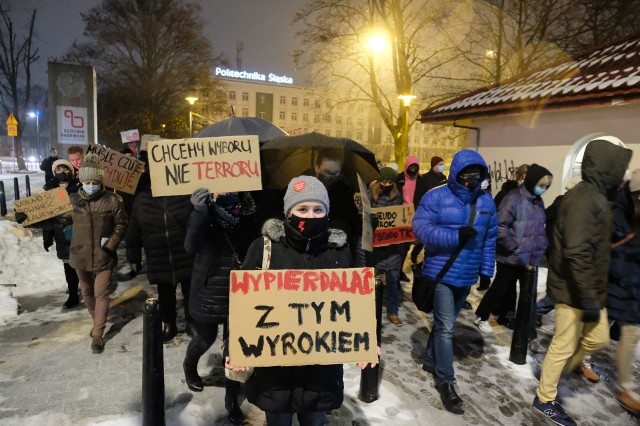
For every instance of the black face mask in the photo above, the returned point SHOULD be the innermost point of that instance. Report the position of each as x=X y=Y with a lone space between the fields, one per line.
x=386 y=189
x=309 y=227
x=469 y=180
x=63 y=177
x=412 y=171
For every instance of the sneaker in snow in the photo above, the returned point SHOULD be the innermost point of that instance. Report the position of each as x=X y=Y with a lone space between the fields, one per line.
x=536 y=347
x=554 y=412
x=484 y=326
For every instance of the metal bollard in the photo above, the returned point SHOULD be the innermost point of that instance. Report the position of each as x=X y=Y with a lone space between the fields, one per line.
x=16 y=189
x=27 y=184
x=524 y=315
x=153 y=408
x=369 y=377
x=3 y=200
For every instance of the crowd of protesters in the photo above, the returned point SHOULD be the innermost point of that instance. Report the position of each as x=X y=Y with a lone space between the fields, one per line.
x=589 y=238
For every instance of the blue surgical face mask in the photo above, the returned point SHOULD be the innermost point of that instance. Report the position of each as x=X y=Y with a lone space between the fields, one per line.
x=441 y=168
x=91 y=189
x=53 y=155
x=538 y=191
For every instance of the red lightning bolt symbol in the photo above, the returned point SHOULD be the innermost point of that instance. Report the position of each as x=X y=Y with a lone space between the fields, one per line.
x=301 y=226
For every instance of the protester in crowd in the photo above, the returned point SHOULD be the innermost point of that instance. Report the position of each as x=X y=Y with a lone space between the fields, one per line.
x=511 y=184
x=75 y=154
x=54 y=231
x=623 y=302
x=433 y=178
x=99 y=224
x=521 y=241
x=158 y=224
x=457 y=223
x=46 y=164
x=388 y=259
x=578 y=270
x=302 y=240
x=220 y=230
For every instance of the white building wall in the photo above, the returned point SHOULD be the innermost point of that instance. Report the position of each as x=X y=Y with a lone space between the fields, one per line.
x=550 y=139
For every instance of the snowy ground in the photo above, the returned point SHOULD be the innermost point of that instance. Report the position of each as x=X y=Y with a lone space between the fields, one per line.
x=50 y=377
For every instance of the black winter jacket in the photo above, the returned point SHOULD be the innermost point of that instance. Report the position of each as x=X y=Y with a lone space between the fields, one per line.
x=159 y=225
x=54 y=231
x=209 y=293
x=301 y=388
x=623 y=303
x=579 y=262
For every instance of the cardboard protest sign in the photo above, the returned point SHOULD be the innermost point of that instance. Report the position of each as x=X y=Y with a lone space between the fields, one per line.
x=222 y=164
x=121 y=172
x=130 y=136
x=144 y=142
x=44 y=205
x=302 y=317
x=367 y=231
x=394 y=225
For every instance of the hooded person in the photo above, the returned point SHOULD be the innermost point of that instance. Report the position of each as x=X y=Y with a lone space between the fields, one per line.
x=304 y=239
x=99 y=224
x=407 y=182
x=578 y=271
x=522 y=241
x=458 y=226
x=46 y=164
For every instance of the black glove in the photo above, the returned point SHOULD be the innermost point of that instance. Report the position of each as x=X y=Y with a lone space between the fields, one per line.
x=485 y=282
x=590 y=312
x=466 y=232
x=46 y=244
x=200 y=200
x=374 y=221
x=21 y=217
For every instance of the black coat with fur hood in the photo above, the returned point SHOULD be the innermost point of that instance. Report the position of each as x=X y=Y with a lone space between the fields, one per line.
x=309 y=387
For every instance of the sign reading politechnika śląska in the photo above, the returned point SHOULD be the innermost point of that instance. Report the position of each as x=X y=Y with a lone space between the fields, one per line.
x=220 y=164
x=302 y=317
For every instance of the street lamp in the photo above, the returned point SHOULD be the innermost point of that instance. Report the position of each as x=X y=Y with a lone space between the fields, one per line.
x=192 y=100
x=37 y=117
x=376 y=43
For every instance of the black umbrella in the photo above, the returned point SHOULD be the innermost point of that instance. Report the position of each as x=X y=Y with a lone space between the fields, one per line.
x=289 y=156
x=236 y=126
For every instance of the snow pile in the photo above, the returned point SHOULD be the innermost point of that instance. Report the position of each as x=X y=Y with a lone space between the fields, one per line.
x=24 y=263
x=8 y=305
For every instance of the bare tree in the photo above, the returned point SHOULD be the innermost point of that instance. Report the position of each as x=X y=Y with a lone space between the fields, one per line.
x=17 y=54
x=336 y=34
x=148 y=55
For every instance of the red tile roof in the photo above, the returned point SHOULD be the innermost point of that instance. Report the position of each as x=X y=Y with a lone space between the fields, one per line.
x=605 y=75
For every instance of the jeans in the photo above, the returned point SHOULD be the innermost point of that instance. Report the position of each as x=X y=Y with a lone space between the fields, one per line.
x=544 y=305
x=447 y=302
x=312 y=418
x=392 y=282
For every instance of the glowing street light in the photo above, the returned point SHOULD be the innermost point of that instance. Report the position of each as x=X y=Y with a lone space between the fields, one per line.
x=406 y=99
x=36 y=115
x=376 y=43
x=192 y=100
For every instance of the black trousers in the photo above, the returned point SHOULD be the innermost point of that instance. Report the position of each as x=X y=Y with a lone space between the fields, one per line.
x=72 y=280
x=204 y=337
x=168 y=301
x=503 y=292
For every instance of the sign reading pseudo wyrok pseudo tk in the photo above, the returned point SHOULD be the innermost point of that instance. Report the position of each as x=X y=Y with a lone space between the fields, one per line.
x=121 y=172
x=44 y=205
x=394 y=225
x=221 y=164
x=302 y=317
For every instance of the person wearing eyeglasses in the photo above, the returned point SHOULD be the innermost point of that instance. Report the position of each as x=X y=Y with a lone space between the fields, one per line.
x=458 y=225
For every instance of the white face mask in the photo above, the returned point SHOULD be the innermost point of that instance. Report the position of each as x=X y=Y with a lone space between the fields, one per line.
x=484 y=184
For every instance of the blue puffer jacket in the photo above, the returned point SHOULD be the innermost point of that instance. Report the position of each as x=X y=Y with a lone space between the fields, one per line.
x=521 y=236
x=444 y=210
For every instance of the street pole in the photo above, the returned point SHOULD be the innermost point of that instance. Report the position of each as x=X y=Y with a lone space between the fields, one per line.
x=38 y=130
x=192 y=100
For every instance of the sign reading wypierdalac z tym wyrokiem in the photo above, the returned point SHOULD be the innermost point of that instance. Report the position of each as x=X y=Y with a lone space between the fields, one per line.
x=302 y=317
x=222 y=164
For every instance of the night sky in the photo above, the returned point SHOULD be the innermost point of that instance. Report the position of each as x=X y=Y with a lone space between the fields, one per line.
x=263 y=26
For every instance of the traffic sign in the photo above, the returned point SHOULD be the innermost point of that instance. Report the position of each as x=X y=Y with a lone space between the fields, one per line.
x=12 y=120
x=12 y=129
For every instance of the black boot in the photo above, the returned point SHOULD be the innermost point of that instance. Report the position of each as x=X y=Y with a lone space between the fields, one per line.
x=169 y=331
x=71 y=302
x=450 y=398
x=234 y=413
x=191 y=377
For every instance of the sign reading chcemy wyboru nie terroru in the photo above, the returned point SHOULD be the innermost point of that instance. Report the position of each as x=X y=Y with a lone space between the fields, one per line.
x=301 y=317
x=222 y=164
